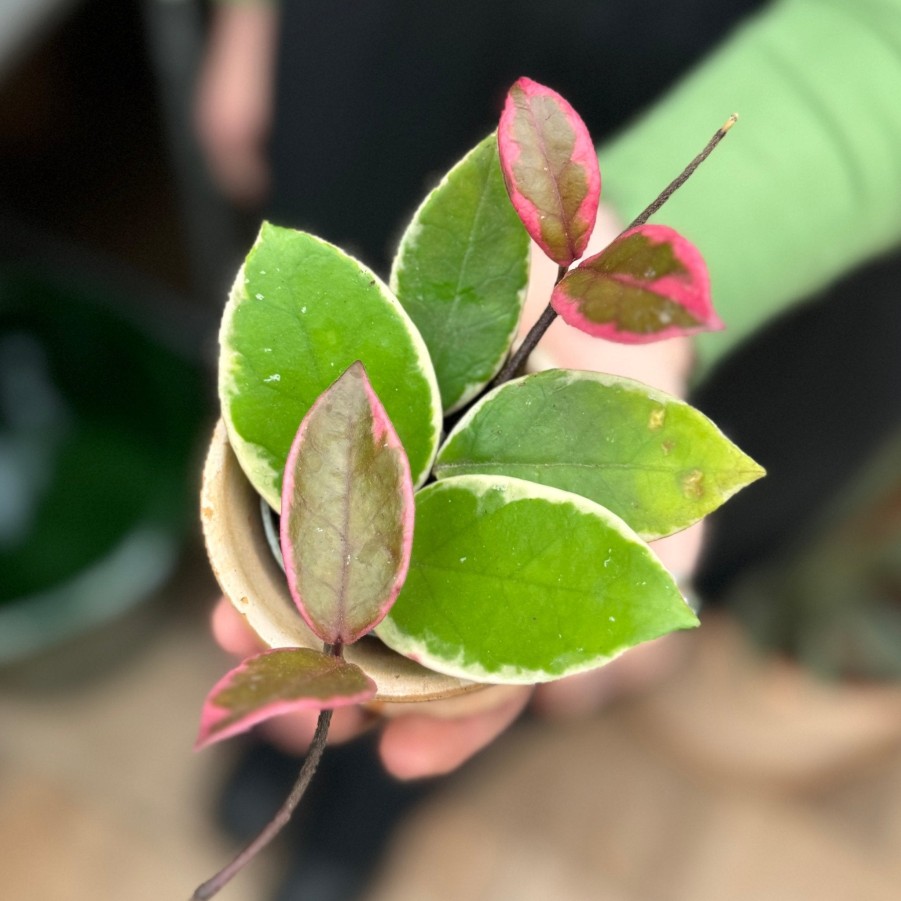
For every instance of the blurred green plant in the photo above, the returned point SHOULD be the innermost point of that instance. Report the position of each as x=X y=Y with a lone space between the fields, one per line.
x=98 y=424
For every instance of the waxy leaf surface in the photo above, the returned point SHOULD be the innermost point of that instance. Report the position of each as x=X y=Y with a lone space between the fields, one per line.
x=461 y=273
x=551 y=169
x=649 y=284
x=276 y=682
x=300 y=312
x=653 y=460
x=347 y=512
x=514 y=582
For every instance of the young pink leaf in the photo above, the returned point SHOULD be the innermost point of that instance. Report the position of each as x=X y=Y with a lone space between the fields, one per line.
x=277 y=682
x=347 y=512
x=551 y=169
x=649 y=284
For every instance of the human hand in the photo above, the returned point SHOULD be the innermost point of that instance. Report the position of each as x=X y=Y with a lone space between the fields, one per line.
x=234 y=99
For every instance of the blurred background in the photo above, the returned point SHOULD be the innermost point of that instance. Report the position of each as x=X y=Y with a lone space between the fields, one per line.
x=768 y=766
x=107 y=328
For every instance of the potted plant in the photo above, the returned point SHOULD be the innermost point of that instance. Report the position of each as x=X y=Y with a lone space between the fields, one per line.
x=489 y=528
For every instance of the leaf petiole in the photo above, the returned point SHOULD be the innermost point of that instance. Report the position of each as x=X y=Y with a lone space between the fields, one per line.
x=535 y=334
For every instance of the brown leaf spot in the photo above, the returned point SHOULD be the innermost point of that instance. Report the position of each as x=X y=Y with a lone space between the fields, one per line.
x=693 y=484
x=206 y=512
x=667 y=447
x=657 y=419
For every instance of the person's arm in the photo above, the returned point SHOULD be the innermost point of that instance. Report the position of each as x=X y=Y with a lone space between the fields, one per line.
x=234 y=98
x=806 y=185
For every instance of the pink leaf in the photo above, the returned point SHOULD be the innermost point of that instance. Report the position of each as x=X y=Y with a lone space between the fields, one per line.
x=277 y=682
x=551 y=169
x=347 y=512
x=649 y=284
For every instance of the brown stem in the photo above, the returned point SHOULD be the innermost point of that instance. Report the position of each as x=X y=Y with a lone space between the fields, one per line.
x=278 y=822
x=535 y=334
x=683 y=176
x=281 y=818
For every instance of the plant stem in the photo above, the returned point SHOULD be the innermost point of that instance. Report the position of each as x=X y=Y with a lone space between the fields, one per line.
x=311 y=762
x=684 y=175
x=536 y=333
x=278 y=822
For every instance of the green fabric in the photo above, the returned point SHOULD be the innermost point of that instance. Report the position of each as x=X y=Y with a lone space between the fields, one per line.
x=809 y=181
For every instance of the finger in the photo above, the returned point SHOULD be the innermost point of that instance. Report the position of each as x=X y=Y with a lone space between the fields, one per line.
x=635 y=671
x=578 y=696
x=679 y=552
x=420 y=745
x=231 y=631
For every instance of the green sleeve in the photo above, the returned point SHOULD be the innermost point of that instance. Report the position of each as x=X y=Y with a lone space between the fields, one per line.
x=806 y=185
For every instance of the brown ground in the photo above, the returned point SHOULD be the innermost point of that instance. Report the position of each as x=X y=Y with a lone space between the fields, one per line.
x=735 y=781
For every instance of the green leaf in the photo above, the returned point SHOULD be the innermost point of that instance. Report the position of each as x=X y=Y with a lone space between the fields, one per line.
x=277 y=682
x=347 y=512
x=653 y=460
x=461 y=272
x=300 y=312
x=514 y=582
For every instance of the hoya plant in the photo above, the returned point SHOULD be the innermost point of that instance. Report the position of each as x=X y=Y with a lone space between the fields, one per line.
x=488 y=524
